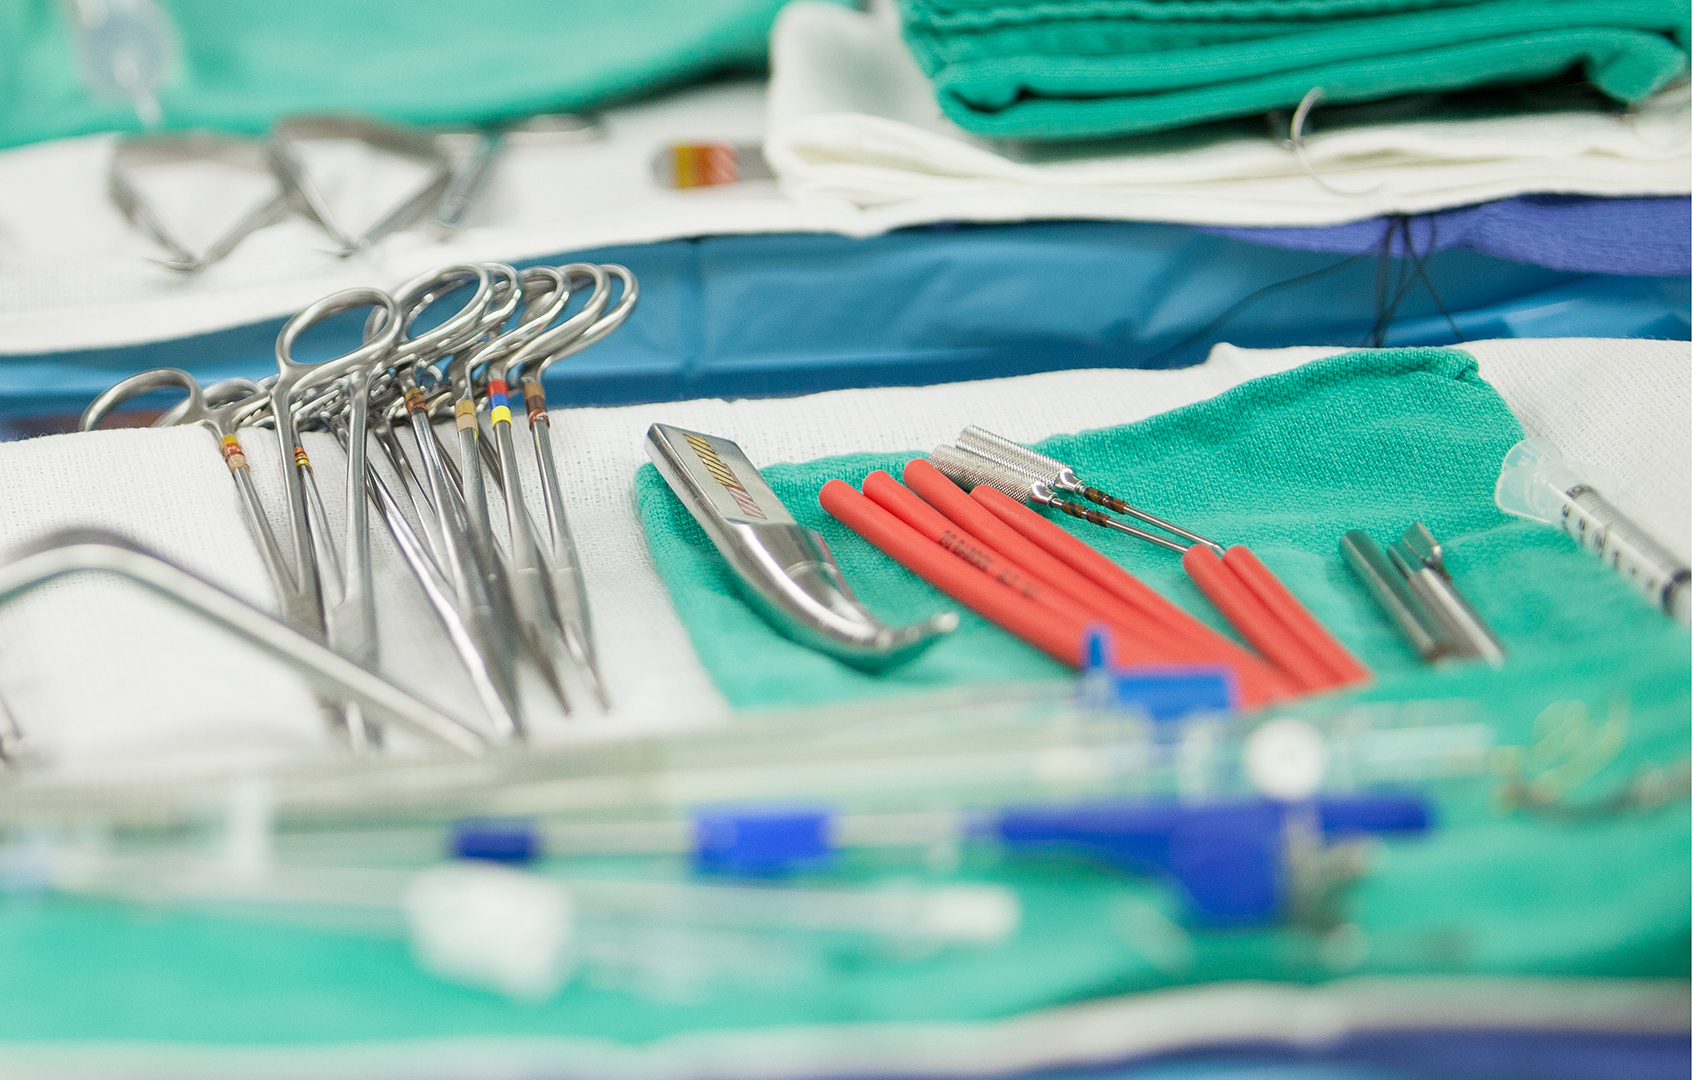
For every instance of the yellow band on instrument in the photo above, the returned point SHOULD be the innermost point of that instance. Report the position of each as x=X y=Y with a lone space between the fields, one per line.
x=501 y=414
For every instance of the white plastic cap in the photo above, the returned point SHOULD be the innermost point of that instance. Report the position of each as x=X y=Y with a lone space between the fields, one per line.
x=981 y=914
x=1286 y=759
x=492 y=928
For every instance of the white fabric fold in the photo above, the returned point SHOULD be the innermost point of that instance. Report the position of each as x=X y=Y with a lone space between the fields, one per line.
x=853 y=119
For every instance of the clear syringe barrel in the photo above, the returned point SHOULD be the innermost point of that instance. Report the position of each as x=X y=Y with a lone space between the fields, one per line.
x=1538 y=483
x=1627 y=548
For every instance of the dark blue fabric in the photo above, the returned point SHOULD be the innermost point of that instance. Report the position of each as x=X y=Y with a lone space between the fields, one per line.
x=1648 y=236
x=738 y=316
x=1418 y=1055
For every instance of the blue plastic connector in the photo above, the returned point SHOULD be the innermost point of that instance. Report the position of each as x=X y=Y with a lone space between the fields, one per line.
x=1097 y=649
x=1172 y=693
x=504 y=840
x=1162 y=693
x=760 y=842
x=1226 y=858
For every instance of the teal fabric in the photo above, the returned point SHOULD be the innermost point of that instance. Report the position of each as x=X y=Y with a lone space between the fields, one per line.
x=247 y=62
x=1285 y=463
x=1073 y=69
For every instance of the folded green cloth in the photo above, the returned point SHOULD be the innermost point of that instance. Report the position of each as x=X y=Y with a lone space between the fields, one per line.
x=1076 y=69
x=247 y=62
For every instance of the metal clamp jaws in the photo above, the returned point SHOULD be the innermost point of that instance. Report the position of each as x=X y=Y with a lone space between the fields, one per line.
x=784 y=568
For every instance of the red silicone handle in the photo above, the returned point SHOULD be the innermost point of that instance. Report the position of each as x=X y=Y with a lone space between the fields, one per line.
x=1342 y=667
x=1085 y=559
x=1130 y=590
x=1255 y=622
x=898 y=500
x=1053 y=633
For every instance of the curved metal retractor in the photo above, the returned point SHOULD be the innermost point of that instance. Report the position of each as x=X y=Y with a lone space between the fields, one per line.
x=331 y=673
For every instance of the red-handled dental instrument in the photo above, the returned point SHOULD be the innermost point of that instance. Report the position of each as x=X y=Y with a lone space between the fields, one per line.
x=1252 y=619
x=1343 y=667
x=1253 y=600
x=1150 y=619
x=1058 y=635
x=892 y=496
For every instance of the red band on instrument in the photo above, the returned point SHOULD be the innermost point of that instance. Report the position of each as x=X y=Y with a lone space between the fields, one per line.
x=232 y=453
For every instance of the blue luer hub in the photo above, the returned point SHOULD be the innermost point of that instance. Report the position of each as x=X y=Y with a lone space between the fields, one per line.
x=760 y=842
x=505 y=840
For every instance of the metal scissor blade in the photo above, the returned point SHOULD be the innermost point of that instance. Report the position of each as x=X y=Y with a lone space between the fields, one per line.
x=564 y=568
x=572 y=609
x=514 y=601
x=439 y=594
x=471 y=575
x=469 y=179
x=404 y=215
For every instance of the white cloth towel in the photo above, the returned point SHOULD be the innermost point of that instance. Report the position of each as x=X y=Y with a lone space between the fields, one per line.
x=110 y=681
x=853 y=119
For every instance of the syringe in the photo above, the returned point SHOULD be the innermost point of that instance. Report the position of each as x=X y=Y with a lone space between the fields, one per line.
x=1537 y=482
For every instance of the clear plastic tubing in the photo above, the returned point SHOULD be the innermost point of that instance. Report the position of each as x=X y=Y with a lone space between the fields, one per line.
x=1537 y=482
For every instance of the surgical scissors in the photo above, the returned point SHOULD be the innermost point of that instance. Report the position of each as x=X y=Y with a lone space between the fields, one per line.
x=436 y=589
x=470 y=563
x=511 y=600
x=353 y=629
x=291 y=171
x=220 y=410
x=564 y=566
x=222 y=421
x=545 y=292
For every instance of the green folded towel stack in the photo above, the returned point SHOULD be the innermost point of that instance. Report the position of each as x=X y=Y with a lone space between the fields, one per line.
x=1078 y=69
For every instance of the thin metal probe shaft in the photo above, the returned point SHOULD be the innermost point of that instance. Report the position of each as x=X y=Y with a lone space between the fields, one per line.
x=1058 y=475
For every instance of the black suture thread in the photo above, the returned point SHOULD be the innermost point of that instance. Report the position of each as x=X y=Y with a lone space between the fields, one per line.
x=1251 y=298
x=1419 y=262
